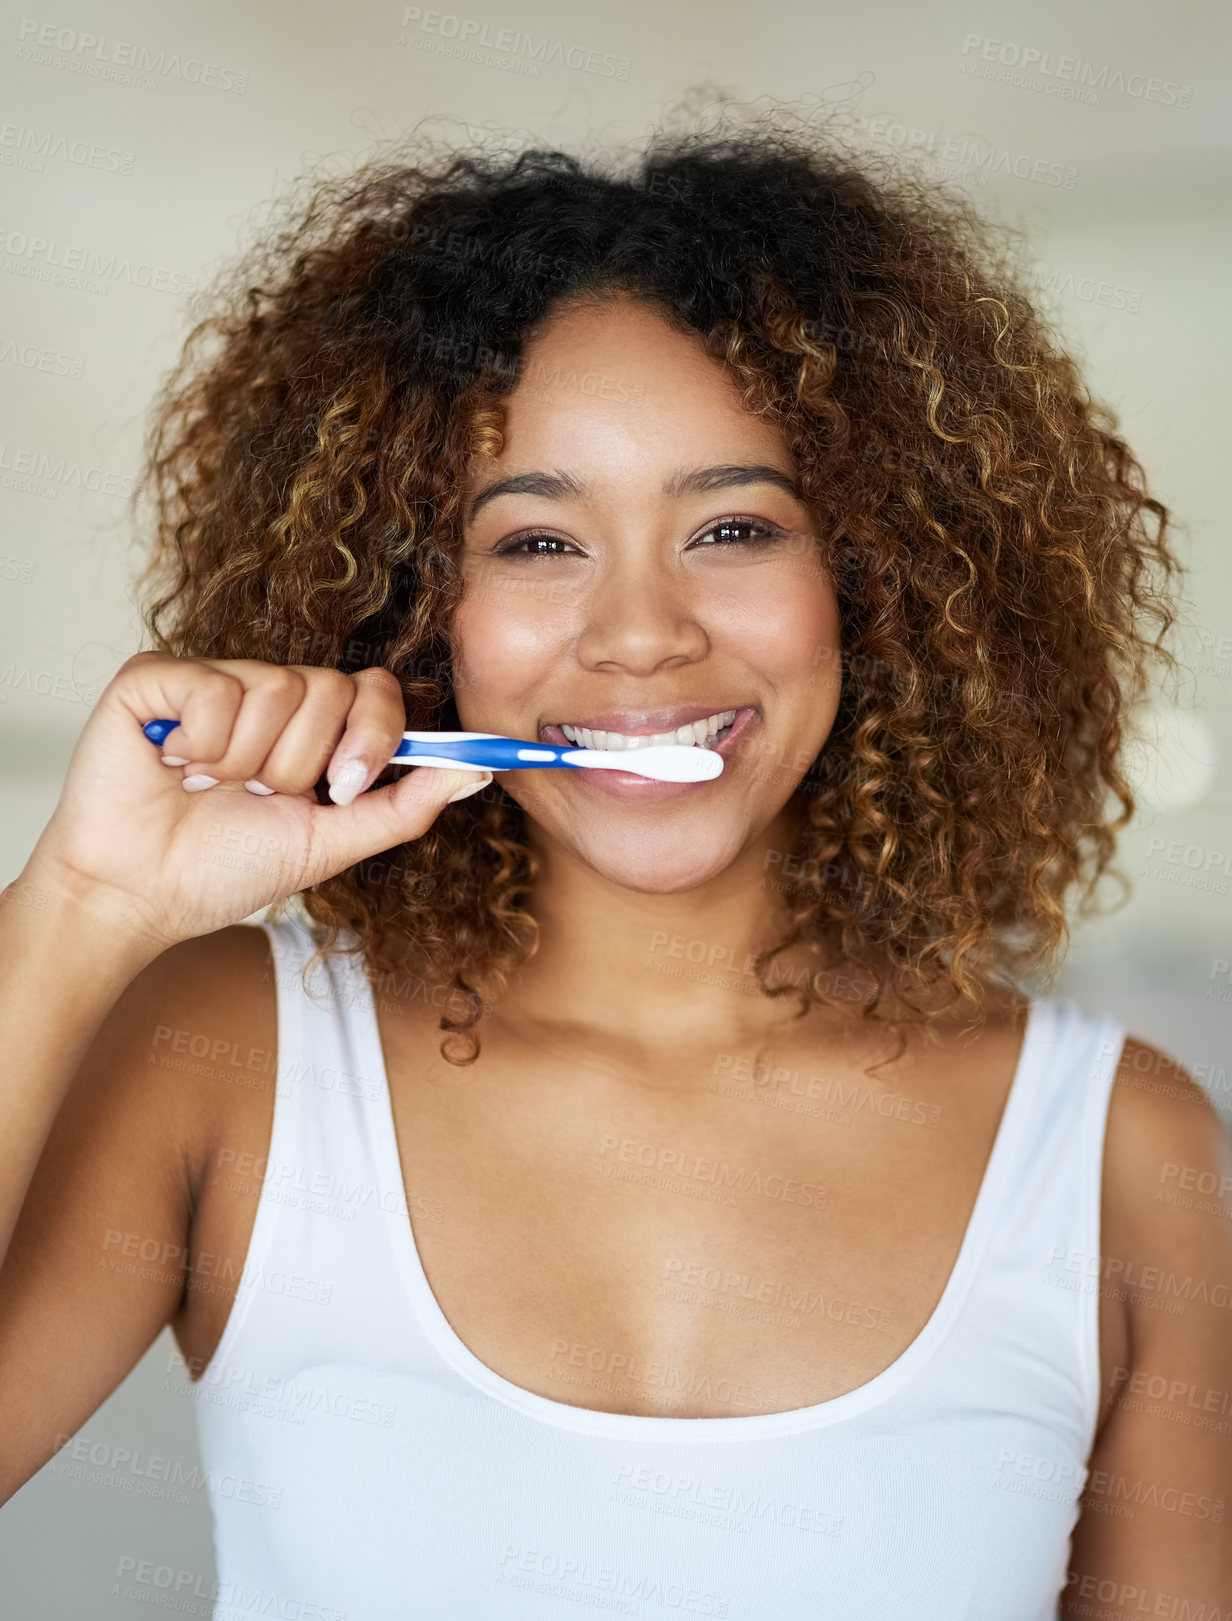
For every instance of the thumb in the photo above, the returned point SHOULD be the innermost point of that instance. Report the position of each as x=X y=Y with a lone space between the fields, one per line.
x=385 y=817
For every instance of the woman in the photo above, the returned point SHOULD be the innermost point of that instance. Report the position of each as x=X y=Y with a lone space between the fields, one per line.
x=661 y=1199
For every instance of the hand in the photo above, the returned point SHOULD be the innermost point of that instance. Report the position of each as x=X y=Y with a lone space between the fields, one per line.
x=175 y=850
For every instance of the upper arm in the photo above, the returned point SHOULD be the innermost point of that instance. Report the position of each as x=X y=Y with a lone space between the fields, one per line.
x=1150 y=1540
x=97 y=1264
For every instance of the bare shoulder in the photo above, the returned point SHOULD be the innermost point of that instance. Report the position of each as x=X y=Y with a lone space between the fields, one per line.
x=171 y=1029
x=191 y=979
x=1167 y=1200
x=210 y=967
x=1166 y=1149
x=1166 y=1256
x=212 y=1030
x=102 y=1254
x=177 y=1030
x=204 y=1016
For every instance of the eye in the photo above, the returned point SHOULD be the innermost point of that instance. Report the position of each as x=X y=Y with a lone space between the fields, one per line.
x=759 y=534
x=545 y=545
x=538 y=545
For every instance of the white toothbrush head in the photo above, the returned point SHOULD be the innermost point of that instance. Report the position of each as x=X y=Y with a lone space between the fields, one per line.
x=663 y=762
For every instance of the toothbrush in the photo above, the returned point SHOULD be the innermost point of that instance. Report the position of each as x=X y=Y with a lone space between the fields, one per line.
x=488 y=751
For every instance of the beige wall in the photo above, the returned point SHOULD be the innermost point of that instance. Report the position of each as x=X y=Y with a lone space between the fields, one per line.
x=165 y=167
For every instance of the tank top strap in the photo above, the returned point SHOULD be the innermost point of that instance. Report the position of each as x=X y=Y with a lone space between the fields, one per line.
x=328 y=1197
x=1043 y=1261
x=330 y=1104
x=321 y=1269
x=1066 y=1080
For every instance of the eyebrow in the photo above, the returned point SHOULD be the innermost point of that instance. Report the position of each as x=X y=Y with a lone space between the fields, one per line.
x=691 y=481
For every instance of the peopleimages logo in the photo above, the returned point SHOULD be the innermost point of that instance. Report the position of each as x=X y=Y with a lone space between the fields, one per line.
x=966 y=157
x=472 y=33
x=85 y=269
x=1069 y=76
x=123 y=60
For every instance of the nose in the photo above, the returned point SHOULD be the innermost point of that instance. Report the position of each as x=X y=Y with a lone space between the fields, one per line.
x=640 y=615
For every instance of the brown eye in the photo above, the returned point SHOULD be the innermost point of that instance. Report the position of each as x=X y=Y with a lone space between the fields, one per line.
x=757 y=534
x=537 y=545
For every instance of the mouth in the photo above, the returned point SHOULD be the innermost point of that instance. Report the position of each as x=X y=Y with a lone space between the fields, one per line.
x=697 y=727
x=625 y=731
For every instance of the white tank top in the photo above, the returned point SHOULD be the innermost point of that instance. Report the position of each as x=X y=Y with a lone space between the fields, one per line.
x=365 y=1466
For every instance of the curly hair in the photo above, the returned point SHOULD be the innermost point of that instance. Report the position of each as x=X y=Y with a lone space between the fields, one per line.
x=998 y=559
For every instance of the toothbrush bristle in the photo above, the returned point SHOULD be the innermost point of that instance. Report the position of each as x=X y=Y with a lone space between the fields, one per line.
x=667 y=762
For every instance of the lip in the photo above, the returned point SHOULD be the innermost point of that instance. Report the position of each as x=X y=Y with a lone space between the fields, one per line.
x=627 y=785
x=642 y=722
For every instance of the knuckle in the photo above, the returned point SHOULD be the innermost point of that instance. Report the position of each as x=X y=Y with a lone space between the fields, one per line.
x=139 y=661
x=219 y=681
x=382 y=708
x=283 y=682
x=380 y=679
x=336 y=685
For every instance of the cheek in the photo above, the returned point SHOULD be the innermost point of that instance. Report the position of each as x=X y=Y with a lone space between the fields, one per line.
x=504 y=642
x=788 y=627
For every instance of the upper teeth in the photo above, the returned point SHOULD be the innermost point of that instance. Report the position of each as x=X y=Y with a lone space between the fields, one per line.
x=699 y=733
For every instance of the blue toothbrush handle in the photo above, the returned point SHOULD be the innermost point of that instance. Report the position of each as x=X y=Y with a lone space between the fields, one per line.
x=483 y=750
x=157 y=730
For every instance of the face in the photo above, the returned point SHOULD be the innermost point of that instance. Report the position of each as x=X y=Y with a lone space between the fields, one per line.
x=618 y=587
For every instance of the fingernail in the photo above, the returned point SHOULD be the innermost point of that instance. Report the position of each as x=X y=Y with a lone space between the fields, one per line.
x=350 y=779
x=470 y=788
x=255 y=787
x=173 y=759
x=196 y=784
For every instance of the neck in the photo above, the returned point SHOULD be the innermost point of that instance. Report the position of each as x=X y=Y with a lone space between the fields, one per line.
x=660 y=970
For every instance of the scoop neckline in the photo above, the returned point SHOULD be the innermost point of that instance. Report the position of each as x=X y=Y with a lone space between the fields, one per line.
x=739 y=1427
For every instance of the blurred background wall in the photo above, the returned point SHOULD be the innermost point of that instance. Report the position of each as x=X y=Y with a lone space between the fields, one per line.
x=139 y=144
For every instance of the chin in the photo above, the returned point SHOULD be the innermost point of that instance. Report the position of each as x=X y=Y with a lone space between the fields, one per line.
x=657 y=865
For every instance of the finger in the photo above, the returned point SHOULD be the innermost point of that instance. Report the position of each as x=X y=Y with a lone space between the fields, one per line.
x=374 y=728
x=298 y=755
x=270 y=695
x=386 y=817
x=202 y=698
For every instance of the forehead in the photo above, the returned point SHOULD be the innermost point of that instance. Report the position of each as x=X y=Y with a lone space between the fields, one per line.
x=617 y=386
